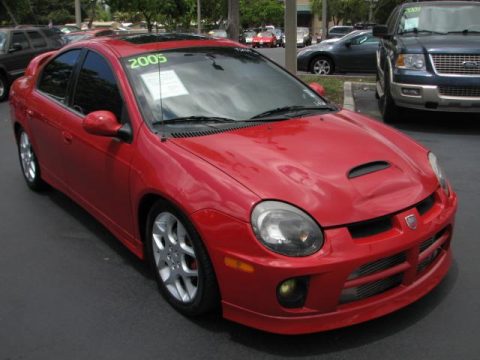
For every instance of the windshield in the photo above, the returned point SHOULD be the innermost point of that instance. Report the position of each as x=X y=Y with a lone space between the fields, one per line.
x=440 y=19
x=3 y=40
x=265 y=34
x=232 y=83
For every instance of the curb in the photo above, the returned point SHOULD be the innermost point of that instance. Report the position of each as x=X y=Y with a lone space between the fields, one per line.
x=348 y=102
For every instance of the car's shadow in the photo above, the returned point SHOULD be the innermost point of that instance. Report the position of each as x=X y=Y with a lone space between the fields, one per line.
x=439 y=122
x=302 y=345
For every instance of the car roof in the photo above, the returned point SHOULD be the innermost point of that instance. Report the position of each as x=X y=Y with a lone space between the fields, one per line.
x=430 y=3
x=128 y=45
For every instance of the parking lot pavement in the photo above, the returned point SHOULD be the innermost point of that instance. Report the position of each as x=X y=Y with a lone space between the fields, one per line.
x=69 y=290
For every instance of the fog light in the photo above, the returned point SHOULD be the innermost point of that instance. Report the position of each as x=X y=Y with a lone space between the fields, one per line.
x=411 y=92
x=292 y=293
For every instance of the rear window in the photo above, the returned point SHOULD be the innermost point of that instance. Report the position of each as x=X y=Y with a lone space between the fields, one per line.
x=56 y=75
x=3 y=40
x=36 y=39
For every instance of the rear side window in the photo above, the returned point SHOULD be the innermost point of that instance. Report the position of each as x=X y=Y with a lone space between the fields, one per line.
x=37 y=40
x=56 y=75
x=97 y=87
x=20 y=38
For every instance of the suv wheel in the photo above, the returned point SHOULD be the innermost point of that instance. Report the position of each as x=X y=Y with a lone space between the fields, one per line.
x=3 y=87
x=390 y=112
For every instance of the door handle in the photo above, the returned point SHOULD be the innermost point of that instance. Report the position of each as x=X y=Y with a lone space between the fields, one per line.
x=67 y=137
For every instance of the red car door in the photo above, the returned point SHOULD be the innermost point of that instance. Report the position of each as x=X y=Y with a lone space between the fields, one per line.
x=98 y=167
x=46 y=110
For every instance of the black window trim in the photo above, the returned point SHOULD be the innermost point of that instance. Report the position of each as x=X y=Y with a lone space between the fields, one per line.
x=40 y=77
x=67 y=104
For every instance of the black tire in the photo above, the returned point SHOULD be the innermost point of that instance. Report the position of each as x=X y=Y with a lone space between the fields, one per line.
x=388 y=109
x=4 y=87
x=28 y=162
x=207 y=296
x=322 y=65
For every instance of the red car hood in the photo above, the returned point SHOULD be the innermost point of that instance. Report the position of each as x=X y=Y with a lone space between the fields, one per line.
x=306 y=162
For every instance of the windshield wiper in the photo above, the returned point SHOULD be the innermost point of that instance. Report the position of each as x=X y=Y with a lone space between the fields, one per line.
x=419 y=31
x=294 y=108
x=464 y=32
x=194 y=119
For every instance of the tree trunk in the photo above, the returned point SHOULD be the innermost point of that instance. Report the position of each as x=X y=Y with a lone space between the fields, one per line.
x=233 y=19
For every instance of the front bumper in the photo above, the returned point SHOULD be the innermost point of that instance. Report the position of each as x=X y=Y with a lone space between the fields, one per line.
x=430 y=98
x=250 y=297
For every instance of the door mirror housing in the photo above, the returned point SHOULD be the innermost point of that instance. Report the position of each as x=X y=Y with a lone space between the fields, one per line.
x=319 y=89
x=101 y=123
x=380 y=31
x=348 y=43
x=15 y=47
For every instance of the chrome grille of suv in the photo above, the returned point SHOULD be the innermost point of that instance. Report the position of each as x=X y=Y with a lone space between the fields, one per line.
x=460 y=91
x=456 y=64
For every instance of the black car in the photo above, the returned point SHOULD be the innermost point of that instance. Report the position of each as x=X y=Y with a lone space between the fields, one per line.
x=17 y=48
x=339 y=31
x=354 y=52
x=429 y=58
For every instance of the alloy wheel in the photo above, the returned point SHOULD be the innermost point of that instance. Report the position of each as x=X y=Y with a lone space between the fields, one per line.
x=175 y=257
x=27 y=157
x=322 y=67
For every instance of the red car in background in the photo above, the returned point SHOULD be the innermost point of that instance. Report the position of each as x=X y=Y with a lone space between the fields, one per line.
x=293 y=215
x=85 y=35
x=264 y=39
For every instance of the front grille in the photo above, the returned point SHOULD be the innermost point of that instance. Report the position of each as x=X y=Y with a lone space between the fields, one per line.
x=370 y=227
x=456 y=64
x=359 y=284
x=378 y=265
x=370 y=289
x=460 y=91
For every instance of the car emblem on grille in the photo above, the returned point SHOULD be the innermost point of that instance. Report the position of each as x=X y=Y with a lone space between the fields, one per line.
x=411 y=221
x=471 y=64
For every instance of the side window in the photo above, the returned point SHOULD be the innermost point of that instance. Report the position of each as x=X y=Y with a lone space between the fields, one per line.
x=20 y=38
x=57 y=73
x=391 y=22
x=359 y=40
x=37 y=40
x=97 y=87
x=372 y=40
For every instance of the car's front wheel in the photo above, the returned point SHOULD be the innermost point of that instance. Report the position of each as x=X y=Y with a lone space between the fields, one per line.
x=29 y=162
x=389 y=110
x=322 y=66
x=180 y=262
x=3 y=87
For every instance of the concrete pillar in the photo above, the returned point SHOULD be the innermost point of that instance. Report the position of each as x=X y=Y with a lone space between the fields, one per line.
x=291 y=35
x=78 y=14
x=324 y=19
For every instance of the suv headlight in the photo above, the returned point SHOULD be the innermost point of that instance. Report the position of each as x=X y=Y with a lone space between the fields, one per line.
x=437 y=169
x=410 y=61
x=286 y=229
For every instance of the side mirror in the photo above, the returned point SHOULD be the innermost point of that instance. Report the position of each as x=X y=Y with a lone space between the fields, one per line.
x=15 y=47
x=348 y=43
x=319 y=89
x=101 y=123
x=380 y=31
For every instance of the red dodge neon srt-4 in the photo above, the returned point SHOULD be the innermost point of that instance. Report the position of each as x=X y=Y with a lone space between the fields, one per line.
x=290 y=214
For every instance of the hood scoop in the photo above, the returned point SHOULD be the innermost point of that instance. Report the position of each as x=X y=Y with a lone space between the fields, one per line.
x=367 y=168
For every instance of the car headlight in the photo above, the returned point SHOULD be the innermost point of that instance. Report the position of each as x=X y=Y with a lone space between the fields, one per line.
x=286 y=229
x=411 y=61
x=437 y=169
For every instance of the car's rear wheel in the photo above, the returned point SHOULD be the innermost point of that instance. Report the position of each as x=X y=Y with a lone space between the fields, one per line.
x=4 y=86
x=322 y=66
x=389 y=110
x=180 y=262
x=29 y=162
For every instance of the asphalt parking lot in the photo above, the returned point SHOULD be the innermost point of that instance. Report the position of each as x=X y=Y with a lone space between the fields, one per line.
x=69 y=290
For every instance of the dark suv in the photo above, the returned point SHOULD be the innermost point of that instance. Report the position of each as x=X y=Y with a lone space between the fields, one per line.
x=429 y=58
x=17 y=48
